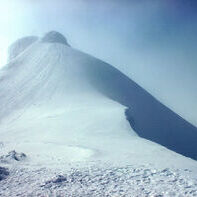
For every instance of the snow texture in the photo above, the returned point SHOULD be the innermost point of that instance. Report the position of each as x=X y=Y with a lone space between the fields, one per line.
x=12 y=156
x=136 y=181
x=62 y=108
x=20 y=45
x=55 y=37
x=3 y=173
x=49 y=76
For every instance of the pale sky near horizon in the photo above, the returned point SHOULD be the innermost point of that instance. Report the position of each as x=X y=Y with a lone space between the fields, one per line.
x=152 y=41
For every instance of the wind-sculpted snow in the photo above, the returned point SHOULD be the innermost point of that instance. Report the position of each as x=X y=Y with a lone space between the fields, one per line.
x=3 y=173
x=61 y=106
x=55 y=75
x=20 y=45
x=55 y=37
x=136 y=181
x=12 y=156
x=147 y=116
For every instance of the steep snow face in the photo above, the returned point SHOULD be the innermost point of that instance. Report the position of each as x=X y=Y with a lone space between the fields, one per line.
x=54 y=36
x=59 y=104
x=53 y=111
x=20 y=45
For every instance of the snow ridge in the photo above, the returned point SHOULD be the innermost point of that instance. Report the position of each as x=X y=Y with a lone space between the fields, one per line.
x=63 y=107
x=20 y=45
x=55 y=37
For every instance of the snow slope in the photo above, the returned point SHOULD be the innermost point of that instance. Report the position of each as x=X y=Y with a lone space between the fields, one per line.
x=60 y=106
x=50 y=73
x=20 y=45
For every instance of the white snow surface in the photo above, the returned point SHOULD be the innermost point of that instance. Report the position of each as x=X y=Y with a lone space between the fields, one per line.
x=20 y=45
x=51 y=112
x=55 y=37
x=98 y=180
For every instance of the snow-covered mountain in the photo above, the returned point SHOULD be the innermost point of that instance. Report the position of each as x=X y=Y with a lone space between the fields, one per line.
x=59 y=105
x=47 y=78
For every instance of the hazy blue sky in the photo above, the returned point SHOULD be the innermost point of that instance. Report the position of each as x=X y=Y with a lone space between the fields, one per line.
x=152 y=41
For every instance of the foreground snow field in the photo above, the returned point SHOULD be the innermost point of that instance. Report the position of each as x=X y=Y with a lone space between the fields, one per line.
x=96 y=180
x=65 y=111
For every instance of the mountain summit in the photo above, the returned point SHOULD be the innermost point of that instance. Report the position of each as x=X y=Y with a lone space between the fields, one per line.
x=55 y=37
x=56 y=98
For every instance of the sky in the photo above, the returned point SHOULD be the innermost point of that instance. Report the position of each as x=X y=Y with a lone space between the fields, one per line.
x=152 y=41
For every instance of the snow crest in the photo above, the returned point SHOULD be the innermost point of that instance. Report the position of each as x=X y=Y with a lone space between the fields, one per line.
x=54 y=36
x=20 y=45
x=64 y=108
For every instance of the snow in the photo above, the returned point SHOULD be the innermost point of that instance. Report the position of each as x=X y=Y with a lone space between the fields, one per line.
x=12 y=156
x=20 y=45
x=98 y=180
x=3 y=173
x=55 y=37
x=63 y=109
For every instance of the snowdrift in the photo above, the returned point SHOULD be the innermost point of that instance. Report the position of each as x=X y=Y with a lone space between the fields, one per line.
x=56 y=100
